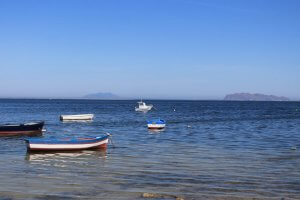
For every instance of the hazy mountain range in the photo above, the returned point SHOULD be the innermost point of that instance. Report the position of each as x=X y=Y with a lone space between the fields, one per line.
x=112 y=96
x=253 y=97
x=229 y=97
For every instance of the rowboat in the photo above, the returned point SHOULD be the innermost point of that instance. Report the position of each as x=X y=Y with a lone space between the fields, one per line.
x=29 y=129
x=156 y=124
x=66 y=144
x=76 y=117
x=142 y=107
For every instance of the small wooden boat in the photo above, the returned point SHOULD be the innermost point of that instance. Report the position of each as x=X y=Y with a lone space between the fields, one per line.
x=81 y=117
x=156 y=124
x=29 y=129
x=66 y=144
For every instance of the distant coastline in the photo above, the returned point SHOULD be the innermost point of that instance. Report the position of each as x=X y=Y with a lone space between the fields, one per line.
x=254 y=97
x=111 y=96
x=132 y=99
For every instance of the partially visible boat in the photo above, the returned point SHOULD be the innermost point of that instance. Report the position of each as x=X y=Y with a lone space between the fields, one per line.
x=142 y=107
x=67 y=144
x=82 y=117
x=156 y=124
x=29 y=129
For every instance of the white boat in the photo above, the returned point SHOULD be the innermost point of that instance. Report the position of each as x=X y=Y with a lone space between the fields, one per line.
x=76 y=117
x=142 y=107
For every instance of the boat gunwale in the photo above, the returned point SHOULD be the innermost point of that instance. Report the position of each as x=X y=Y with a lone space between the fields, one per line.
x=22 y=124
x=156 y=121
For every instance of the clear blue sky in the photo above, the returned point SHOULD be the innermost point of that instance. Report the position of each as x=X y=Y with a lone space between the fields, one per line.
x=197 y=49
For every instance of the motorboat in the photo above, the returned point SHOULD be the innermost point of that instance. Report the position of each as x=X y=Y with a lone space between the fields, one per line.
x=142 y=107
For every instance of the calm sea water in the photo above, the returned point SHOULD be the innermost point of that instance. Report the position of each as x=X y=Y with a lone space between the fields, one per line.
x=209 y=150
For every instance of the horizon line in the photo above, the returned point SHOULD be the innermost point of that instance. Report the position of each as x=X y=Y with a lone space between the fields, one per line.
x=134 y=99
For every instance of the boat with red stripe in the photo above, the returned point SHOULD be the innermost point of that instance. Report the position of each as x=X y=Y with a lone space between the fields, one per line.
x=67 y=144
x=156 y=124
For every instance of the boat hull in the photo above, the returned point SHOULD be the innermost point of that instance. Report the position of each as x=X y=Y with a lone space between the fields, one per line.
x=156 y=126
x=67 y=145
x=29 y=129
x=76 y=117
x=143 y=109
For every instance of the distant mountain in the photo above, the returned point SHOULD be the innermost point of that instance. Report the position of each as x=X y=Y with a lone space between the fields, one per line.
x=253 y=97
x=101 y=95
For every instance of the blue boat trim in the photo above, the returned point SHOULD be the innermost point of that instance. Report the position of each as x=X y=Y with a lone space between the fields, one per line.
x=156 y=121
x=66 y=140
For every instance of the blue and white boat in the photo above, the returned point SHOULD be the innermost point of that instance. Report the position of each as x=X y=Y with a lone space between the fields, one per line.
x=156 y=124
x=66 y=144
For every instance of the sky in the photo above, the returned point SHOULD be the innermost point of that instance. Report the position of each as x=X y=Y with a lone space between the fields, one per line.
x=177 y=49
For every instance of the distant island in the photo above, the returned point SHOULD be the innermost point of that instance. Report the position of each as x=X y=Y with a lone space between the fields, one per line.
x=253 y=97
x=101 y=95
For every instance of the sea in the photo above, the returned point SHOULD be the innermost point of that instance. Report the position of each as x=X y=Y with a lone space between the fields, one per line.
x=208 y=150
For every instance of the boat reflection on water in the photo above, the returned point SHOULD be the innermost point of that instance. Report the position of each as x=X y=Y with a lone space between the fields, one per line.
x=155 y=131
x=63 y=156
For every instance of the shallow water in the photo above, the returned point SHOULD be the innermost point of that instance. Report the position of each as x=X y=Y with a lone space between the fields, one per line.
x=209 y=150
